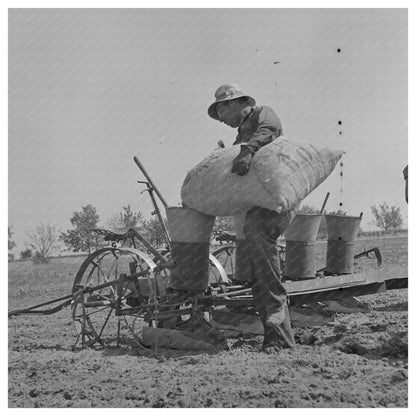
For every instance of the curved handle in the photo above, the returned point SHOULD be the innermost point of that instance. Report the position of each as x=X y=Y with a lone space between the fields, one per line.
x=141 y=167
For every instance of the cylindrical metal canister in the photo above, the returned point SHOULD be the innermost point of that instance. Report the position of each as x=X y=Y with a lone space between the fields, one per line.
x=300 y=259
x=190 y=232
x=342 y=232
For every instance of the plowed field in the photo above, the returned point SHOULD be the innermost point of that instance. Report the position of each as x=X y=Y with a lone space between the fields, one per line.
x=359 y=360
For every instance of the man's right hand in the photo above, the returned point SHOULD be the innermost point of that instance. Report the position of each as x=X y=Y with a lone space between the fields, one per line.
x=241 y=164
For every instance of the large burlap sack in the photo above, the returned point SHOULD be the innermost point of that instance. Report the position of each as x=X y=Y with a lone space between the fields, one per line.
x=282 y=173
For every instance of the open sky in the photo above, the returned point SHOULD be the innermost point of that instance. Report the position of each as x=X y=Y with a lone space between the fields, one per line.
x=91 y=88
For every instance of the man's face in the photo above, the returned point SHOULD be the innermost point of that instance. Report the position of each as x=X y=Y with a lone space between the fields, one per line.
x=229 y=113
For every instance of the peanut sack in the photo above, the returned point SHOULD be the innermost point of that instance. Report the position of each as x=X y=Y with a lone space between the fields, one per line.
x=281 y=175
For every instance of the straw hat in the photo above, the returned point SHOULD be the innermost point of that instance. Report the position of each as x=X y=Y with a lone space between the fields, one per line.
x=225 y=93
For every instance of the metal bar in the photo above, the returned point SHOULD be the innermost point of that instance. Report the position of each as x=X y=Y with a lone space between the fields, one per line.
x=134 y=310
x=141 y=167
x=97 y=303
x=25 y=310
x=356 y=279
x=160 y=218
x=50 y=311
x=170 y=314
x=234 y=293
x=105 y=323
x=236 y=287
x=148 y=246
x=231 y=302
x=340 y=293
x=152 y=315
x=82 y=290
x=335 y=287
x=301 y=299
x=397 y=283
x=324 y=204
x=325 y=283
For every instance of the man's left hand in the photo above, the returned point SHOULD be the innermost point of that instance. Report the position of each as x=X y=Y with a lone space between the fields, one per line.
x=241 y=164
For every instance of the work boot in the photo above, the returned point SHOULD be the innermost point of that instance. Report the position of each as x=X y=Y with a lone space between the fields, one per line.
x=275 y=316
x=274 y=342
x=278 y=337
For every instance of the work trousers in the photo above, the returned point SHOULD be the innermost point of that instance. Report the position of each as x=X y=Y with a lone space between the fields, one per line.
x=262 y=227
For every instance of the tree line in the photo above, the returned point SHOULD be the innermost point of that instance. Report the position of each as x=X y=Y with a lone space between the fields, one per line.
x=387 y=218
x=82 y=238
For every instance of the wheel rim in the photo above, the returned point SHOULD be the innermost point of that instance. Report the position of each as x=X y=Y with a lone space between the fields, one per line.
x=226 y=258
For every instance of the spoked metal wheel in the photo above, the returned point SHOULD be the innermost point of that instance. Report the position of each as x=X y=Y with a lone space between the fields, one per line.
x=106 y=296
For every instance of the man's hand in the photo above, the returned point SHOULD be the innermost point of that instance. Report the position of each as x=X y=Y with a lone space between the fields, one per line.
x=241 y=164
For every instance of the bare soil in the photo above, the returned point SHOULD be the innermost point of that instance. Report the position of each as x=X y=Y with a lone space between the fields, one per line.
x=360 y=360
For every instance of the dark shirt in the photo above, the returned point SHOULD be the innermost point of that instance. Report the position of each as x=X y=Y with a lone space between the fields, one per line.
x=259 y=127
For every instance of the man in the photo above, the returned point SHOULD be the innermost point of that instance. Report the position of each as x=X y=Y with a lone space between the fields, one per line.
x=257 y=126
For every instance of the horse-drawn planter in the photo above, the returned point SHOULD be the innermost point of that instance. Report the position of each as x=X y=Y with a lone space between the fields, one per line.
x=122 y=287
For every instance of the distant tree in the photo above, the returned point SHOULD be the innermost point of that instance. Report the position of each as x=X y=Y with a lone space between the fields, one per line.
x=387 y=217
x=154 y=233
x=37 y=258
x=341 y=212
x=126 y=218
x=307 y=209
x=338 y=212
x=42 y=239
x=322 y=232
x=26 y=254
x=10 y=243
x=82 y=238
